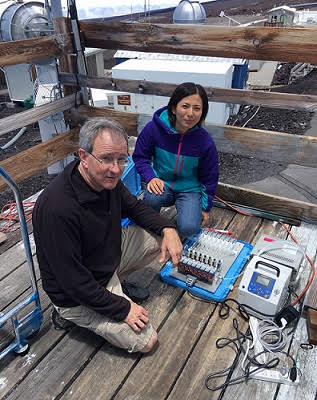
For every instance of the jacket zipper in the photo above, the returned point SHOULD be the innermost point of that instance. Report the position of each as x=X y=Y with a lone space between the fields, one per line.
x=177 y=158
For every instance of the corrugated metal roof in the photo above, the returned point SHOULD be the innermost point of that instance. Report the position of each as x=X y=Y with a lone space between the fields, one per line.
x=176 y=57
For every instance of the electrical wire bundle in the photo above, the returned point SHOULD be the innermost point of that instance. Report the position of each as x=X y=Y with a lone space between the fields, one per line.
x=272 y=339
x=10 y=217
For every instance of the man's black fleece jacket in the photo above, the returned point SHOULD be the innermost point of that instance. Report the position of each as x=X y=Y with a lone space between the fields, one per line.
x=77 y=234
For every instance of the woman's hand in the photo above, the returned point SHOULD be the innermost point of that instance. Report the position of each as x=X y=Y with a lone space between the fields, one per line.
x=156 y=186
x=205 y=218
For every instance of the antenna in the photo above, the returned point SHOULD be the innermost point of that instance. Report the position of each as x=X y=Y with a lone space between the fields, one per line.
x=222 y=14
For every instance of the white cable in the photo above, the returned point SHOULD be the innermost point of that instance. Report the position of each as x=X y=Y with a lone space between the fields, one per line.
x=269 y=328
x=14 y=139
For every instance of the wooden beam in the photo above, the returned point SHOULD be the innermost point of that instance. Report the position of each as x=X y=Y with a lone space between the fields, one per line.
x=126 y=119
x=237 y=96
x=27 y=117
x=29 y=162
x=67 y=63
x=259 y=43
x=35 y=159
x=30 y=50
x=265 y=145
x=266 y=202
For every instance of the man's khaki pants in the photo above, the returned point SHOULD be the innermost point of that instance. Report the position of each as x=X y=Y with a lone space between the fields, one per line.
x=139 y=248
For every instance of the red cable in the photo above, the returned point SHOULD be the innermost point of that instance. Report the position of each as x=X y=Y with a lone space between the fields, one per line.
x=11 y=215
x=313 y=267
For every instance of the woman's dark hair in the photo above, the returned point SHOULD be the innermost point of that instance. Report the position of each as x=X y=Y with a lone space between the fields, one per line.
x=183 y=90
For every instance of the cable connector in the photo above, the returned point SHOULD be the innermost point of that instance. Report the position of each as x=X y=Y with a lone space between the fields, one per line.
x=190 y=281
x=293 y=373
x=286 y=316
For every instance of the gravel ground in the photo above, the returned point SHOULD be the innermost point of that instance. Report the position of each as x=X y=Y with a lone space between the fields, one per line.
x=234 y=169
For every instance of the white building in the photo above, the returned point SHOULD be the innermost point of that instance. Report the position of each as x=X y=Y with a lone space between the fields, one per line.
x=217 y=74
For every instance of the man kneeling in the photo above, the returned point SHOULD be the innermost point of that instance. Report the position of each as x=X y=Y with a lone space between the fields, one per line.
x=83 y=253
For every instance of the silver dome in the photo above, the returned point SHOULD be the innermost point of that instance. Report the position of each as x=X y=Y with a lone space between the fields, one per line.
x=189 y=12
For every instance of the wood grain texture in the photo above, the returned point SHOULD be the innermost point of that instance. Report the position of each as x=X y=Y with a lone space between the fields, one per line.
x=30 y=50
x=58 y=367
x=126 y=119
x=280 y=147
x=27 y=117
x=307 y=236
x=29 y=162
x=16 y=368
x=3 y=237
x=255 y=388
x=238 y=96
x=265 y=145
x=259 y=43
x=67 y=62
x=110 y=366
x=307 y=363
x=16 y=283
x=278 y=205
x=14 y=257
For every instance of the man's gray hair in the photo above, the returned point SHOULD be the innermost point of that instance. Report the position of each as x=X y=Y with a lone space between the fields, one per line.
x=94 y=126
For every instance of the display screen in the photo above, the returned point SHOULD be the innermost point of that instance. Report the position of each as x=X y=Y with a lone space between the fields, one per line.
x=263 y=280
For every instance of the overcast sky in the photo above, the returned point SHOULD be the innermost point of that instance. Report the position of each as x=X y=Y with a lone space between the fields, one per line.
x=110 y=8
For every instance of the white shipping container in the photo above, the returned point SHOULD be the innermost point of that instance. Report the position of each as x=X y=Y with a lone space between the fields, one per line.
x=170 y=71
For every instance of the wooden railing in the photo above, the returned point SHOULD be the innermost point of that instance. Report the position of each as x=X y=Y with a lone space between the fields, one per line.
x=282 y=44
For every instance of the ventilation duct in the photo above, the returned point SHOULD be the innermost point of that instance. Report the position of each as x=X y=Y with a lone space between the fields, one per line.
x=20 y=21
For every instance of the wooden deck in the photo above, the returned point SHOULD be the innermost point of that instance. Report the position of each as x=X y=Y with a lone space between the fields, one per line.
x=80 y=365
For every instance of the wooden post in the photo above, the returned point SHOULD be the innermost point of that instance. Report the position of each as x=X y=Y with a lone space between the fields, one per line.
x=67 y=63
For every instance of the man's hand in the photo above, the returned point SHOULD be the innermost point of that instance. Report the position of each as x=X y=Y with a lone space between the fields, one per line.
x=205 y=218
x=171 y=243
x=137 y=318
x=156 y=186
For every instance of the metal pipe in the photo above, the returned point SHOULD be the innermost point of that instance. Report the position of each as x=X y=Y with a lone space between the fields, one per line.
x=24 y=231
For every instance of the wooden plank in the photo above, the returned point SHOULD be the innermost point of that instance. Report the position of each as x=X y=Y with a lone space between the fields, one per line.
x=13 y=238
x=265 y=145
x=14 y=257
x=58 y=367
x=47 y=385
x=8 y=124
x=68 y=62
x=306 y=235
x=16 y=368
x=154 y=375
x=259 y=43
x=29 y=162
x=119 y=363
x=30 y=50
x=7 y=332
x=163 y=298
x=16 y=283
x=3 y=237
x=178 y=336
x=126 y=119
x=206 y=358
x=307 y=363
x=237 y=96
x=312 y=326
x=275 y=204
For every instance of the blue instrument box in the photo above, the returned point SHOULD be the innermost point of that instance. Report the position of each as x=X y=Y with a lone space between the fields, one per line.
x=233 y=254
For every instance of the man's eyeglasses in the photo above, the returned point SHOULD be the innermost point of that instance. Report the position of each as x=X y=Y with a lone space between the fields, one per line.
x=109 y=161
